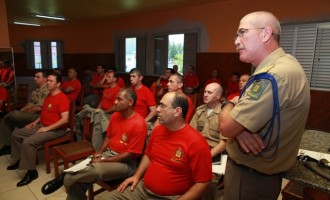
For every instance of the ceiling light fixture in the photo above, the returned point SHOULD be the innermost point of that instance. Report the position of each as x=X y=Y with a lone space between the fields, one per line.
x=50 y=17
x=27 y=24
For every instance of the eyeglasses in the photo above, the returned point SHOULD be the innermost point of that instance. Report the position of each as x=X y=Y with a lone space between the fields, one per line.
x=240 y=33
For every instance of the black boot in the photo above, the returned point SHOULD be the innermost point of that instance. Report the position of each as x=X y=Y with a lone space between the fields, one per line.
x=53 y=185
x=28 y=178
x=5 y=150
x=14 y=166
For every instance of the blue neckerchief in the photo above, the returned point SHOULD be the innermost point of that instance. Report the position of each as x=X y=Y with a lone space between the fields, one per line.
x=276 y=113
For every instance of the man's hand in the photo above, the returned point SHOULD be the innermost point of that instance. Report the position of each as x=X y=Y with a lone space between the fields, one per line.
x=133 y=181
x=30 y=125
x=42 y=129
x=250 y=142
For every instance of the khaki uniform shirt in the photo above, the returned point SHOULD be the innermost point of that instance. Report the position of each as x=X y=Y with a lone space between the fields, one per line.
x=254 y=112
x=208 y=125
x=38 y=96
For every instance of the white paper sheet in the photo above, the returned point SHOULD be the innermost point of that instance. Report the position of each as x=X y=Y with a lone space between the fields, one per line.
x=220 y=169
x=314 y=154
x=82 y=165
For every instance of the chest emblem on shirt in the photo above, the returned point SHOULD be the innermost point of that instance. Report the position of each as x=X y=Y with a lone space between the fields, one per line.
x=49 y=107
x=178 y=155
x=124 y=139
x=257 y=89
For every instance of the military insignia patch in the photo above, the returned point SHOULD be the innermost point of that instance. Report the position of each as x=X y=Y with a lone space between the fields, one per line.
x=178 y=155
x=257 y=89
x=124 y=139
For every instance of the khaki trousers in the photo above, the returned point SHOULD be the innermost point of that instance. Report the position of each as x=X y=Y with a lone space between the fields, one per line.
x=244 y=183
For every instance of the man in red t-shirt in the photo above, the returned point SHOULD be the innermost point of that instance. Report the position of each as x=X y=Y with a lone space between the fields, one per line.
x=242 y=82
x=145 y=104
x=101 y=115
x=93 y=98
x=72 y=87
x=177 y=160
x=191 y=81
x=175 y=84
x=118 y=156
x=233 y=84
x=51 y=124
x=161 y=83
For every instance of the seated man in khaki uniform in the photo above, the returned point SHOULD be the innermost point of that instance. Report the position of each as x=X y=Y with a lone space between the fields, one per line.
x=206 y=119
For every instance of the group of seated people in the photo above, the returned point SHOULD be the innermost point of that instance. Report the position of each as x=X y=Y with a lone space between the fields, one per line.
x=7 y=75
x=178 y=154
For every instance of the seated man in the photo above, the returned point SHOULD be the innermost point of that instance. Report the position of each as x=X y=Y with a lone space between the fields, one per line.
x=161 y=83
x=175 y=84
x=145 y=104
x=118 y=156
x=51 y=124
x=177 y=160
x=26 y=115
x=191 y=81
x=242 y=82
x=72 y=87
x=206 y=119
x=92 y=99
x=100 y=116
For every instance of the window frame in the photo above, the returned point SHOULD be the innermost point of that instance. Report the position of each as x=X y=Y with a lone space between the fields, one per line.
x=310 y=44
x=45 y=52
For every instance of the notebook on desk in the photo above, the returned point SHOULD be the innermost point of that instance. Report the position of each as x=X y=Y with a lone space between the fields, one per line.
x=314 y=154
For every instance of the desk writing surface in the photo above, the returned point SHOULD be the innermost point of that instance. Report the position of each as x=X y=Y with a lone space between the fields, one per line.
x=313 y=141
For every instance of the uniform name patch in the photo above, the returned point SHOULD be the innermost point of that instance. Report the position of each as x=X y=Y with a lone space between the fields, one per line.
x=257 y=89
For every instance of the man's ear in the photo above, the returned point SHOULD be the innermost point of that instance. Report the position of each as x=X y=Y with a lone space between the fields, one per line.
x=180 y=85
x=268 y=31
x=178 y=111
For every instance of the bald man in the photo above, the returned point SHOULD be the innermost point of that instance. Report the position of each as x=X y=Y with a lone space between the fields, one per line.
x=206 y=118
x=265 y=127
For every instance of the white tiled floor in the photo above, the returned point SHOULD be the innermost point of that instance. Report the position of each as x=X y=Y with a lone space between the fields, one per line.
x=9 y=179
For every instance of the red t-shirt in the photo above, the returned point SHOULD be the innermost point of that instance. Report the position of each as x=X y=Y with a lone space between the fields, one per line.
x=52 y=108
x=3 y=94
x=145 y=98
x=121 y=82
x=108 y=97
x=232 y=87
x=178 y=159
x=76 y=86
x=5 y=74
x=191 y=80
x=127 y=135
x=191 y=110
x=4 y=97
x=233 y=96
x=96 y=79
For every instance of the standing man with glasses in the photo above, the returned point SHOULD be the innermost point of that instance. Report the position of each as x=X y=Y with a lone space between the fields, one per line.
x=266 y=125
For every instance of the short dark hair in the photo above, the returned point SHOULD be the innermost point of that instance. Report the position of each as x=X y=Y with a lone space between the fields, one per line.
x=57 y=75
x=115 y=74
x=237 y=74
x=181 y=100
x=172 y=70
x=43 y=72
x=179 y=77
x=137 y=71
x=129 y=94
